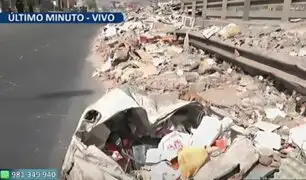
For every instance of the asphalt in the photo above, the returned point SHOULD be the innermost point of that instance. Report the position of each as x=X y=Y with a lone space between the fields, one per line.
x=45 y=84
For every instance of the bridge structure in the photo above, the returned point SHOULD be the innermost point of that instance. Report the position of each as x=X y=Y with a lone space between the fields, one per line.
x=246 y=9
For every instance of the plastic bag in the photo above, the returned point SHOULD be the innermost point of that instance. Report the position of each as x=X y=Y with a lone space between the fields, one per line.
x=190 y=160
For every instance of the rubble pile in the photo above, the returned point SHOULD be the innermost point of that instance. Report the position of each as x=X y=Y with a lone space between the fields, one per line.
x=288 y=41
x=248 y=127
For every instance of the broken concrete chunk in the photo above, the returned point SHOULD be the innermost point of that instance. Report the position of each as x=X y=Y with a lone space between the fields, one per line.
x=227 y=123
x=112 y=43
x=268 y=140
x=207 y=33
x=298 y=136
x=144 y=55
x=275 y=164
x=219 y=112
x=205 y=66
x=198 y=86
x=246 y=81
x=284 y=131
x=265 y=151
x=148 y=70
x=175 y=49
x=265 y=160
x=260 y=172
x=293 y=53
x=120 y=55
x=168 y=81
x=110 y=31
x=246 y=157
x=238 y=130
x=207 y=132
x=302 y=52
x=266 y=126
x=157 y=61
x=191 y=76
x=272 y=113
x=277 y=157
x=165 y=98
x=190 y=64
x=130 y=73
x=226 y=96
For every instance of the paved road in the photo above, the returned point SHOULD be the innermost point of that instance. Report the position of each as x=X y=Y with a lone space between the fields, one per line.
x=44 y=86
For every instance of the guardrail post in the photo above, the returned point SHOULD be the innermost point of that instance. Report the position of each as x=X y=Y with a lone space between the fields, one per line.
x=193 y=8
x=286 y=10
x=204 y=9
x=246 y=11
x=224 y=9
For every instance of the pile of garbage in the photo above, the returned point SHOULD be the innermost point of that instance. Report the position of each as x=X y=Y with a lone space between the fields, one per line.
x=176 y=112
x=145 y=138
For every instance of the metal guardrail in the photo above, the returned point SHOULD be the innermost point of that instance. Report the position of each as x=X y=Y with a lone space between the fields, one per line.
x=289 y=74
x=247 y=9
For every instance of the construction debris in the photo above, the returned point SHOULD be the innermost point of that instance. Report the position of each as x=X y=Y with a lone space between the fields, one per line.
x=192 y=115
x=284 y=39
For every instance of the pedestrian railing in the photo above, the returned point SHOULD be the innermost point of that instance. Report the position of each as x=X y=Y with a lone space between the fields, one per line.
x=246 y=9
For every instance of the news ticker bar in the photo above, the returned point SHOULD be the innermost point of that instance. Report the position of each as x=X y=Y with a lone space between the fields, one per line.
x=62 y=17
x=28 y=174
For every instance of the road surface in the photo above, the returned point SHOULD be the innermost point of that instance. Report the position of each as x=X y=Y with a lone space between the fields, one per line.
x=45 y=84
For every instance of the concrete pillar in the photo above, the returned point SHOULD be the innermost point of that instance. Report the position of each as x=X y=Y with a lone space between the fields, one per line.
x=182 y=6
x=224 y=9
x=286 y=10
x=246 y=11
x=204 y=9
x=193 y=8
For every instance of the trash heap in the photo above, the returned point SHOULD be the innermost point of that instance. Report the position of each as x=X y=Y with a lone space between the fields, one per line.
x=215 y=121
